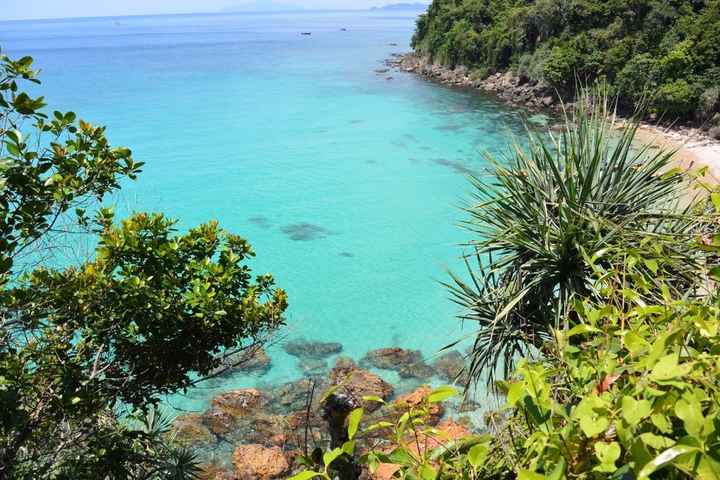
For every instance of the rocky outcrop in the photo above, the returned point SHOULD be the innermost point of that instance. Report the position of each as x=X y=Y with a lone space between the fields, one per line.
x=238 y=402
x=408 y=363
x=256 y=462
x=359 y=383
x=513 y=89
x=189 y=429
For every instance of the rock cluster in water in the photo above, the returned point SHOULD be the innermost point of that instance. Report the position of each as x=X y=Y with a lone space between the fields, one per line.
x=258 y=433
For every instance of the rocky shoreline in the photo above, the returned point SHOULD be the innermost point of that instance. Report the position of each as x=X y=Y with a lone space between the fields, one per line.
x=506 y=86
x=260 y=433
x=696 y=148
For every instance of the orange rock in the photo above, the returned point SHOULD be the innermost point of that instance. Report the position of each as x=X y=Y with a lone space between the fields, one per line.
x=278 y=440
x=420 y=442
x=416 y=399
x=385 y=471
x=255 y=462
x=358 y=383
x=238 y=402
x=214 y=471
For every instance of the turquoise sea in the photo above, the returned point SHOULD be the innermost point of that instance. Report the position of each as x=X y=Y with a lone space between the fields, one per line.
x=347 y=182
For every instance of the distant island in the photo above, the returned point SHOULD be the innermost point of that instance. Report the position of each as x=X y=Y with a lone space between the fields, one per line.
x=404 y=7
x=263 y=6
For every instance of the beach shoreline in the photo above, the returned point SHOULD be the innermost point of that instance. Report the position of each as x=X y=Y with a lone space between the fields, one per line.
x=695 y=148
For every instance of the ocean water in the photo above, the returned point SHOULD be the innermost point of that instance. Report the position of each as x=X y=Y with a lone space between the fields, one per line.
x=346 y=181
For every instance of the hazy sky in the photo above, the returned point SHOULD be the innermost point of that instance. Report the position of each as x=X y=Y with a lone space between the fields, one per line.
x=22 y=9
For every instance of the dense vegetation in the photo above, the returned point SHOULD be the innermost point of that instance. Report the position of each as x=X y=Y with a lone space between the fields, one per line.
x=665 y=50
x=87 y=349
x=596 y=302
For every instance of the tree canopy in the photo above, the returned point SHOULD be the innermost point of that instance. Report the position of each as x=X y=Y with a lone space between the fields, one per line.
x=667 y=51
x=87 y=349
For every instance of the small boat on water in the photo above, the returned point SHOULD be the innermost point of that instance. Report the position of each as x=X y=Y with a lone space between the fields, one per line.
x=305 y=33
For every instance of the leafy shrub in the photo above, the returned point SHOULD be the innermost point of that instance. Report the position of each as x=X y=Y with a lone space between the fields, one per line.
x=678 y=98
x=710 y=102
x=544 y=212
x=88 y=348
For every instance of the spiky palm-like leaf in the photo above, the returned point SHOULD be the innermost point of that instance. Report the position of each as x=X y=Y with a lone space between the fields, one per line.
x=546 y=211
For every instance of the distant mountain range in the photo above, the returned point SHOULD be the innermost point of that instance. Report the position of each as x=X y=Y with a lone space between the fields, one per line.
x=263 y=6
x=395 y=7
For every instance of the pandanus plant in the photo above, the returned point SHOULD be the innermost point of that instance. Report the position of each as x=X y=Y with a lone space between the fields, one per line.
x=547 y=216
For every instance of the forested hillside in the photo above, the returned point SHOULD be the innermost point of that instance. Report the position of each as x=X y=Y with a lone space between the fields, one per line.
x=669 y=50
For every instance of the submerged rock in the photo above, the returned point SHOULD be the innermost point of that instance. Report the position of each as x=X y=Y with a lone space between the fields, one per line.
x=293 y=396
x=450 y=367
x=302 y=348
x=359 y=383
x=189 y=430
x=312 y=367
x=420 y=371
x=408 y=363
x=390 y=358
x=228 y=411
x=256 y=462
x=254 y=360
x=216 y=471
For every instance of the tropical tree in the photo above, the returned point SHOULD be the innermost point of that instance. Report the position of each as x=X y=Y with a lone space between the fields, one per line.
x=544 y=215
x=86 y=350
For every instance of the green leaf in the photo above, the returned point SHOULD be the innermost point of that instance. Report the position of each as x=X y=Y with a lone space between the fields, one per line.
x=608 y=454
x=354 y=422
x=516 y=392
x=668 y=368
x=689 y=410
x=306 y=475
x=658 y=442
x=331 y=456
x=635 y=410
x=401 y=457
x=651 y=264
x=373 y=398
x=349 y=447
x=661 y=422
x=558 y=473
x=477 y=454
x=715 y=273
x=442 y=393
x=665 y=458
x=715 y=197
x=635 y=343
x=427 y=472
x=529 y=475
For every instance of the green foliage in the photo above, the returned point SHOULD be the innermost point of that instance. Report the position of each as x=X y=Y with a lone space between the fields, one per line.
x=631 y=390
x=86 y=350
x=641 y=47
x=548 y=212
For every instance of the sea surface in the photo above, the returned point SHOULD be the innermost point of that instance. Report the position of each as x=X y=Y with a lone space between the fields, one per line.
x=347 y=182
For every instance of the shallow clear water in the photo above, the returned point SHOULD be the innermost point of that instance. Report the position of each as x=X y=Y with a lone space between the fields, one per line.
x=346 y=183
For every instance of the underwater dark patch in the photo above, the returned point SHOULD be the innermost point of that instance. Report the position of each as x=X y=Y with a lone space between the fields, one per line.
x=302 y=232
x=260 y=221
x=453 y=165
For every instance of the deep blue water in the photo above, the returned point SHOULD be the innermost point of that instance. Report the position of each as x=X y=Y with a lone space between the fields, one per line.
x=348 y=184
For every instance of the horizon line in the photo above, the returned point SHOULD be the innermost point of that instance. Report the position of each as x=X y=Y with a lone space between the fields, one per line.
x=181 y=14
